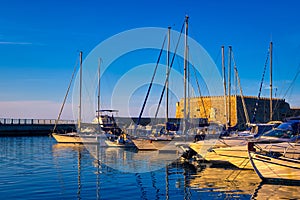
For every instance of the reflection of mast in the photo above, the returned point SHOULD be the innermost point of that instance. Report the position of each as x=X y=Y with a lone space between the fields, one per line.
x=79 y=174
x=97 y=172
x=167 y=182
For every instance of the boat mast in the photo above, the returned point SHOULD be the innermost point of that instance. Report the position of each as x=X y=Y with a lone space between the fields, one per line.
x=271 y=75
x=167 y=77
x=185 y=74
x=80 y=92
x=224 y=84
x=229 y=87
x=98 y=103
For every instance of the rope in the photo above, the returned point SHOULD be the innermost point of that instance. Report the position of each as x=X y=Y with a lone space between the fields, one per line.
x=292 y=83
x=150 y=86
x=168 y=72
x=241 y=91
x=65 y=98
x=199 y=90
x=260 y=88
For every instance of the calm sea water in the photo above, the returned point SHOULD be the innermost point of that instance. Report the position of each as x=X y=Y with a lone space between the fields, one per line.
x=39 y=168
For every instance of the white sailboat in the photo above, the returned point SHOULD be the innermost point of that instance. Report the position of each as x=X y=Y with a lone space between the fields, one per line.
x=161 y=142
x=233 y=149
x=75 y=136
x=113 y=135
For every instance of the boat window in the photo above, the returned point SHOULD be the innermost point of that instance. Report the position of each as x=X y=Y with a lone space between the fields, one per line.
x=279 y=133
x=286 y=126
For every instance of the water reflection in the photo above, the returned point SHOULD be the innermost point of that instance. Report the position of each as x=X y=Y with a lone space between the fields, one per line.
x=38 y=168
x=159 y=184
x=233 y=183
x=174 y=181
x=132 y=160
x=276 y=191
x=62 y=149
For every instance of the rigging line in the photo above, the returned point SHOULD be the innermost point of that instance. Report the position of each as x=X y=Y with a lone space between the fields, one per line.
x=290 y=86
x=168 y=72
x=199 y=90
x=241 y=91
x=152 y=79
x=260 y=88
x=65 y=98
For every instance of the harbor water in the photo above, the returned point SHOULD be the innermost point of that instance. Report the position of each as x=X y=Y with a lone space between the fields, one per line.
x=40 y=168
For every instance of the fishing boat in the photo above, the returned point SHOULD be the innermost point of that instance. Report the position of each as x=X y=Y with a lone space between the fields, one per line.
x=278 y=162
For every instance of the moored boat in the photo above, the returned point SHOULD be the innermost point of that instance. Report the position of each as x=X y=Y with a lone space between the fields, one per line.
x=144 y=144
x=67 y=138
x=280 y=162
x=234 y=149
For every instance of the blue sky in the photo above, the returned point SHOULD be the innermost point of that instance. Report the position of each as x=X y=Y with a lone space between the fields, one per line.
x=40 y=41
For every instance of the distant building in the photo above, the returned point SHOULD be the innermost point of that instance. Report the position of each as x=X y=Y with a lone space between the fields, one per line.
x=214 y=109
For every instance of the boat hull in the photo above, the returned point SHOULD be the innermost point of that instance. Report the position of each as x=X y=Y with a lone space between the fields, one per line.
x=236 y=155
x=120 y=145
x=276 y=167
x=75 y=138
x=67 y=138
x=144 y=144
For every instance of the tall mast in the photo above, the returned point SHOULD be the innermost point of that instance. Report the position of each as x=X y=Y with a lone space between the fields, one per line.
x=188 y=85
x=271 y=77
x=185 y=74
x=98 y=103
x=167 y=81
x=229 y=86
x=80 y=92
x=224 y=84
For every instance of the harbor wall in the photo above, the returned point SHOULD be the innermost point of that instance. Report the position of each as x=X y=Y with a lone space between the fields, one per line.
x=215 y=109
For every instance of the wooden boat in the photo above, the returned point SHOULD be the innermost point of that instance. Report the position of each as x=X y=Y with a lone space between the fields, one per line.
x=280 y=162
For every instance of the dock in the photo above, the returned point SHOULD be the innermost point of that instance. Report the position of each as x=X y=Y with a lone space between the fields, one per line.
x=33 y=127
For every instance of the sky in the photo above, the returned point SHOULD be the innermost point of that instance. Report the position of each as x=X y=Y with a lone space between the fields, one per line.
x=40 y=42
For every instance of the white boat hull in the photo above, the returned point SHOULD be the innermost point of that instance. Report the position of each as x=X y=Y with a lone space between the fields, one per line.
x=121 y=145
x=276 y=167
x=75 y=138
x=67 y=138
x=144 y=144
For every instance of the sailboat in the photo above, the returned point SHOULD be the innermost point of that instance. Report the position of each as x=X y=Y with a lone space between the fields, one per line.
x=155 y=142
x=113 y=135
x=233 y=149
x=163 y=139
x=75 y=136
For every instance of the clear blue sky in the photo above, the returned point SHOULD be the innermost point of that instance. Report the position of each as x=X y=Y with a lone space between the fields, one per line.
x=40 y=41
